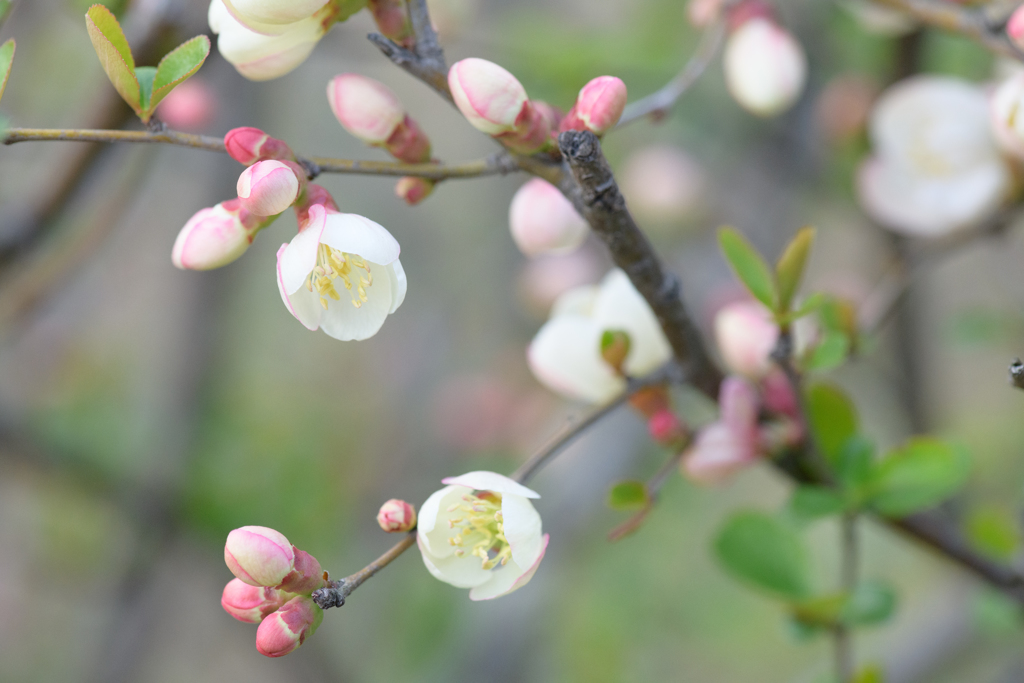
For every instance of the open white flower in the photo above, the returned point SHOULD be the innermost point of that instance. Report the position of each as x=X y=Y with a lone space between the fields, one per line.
x=481 y=532
x=566 y=353
x=261 y=55
x=341 y=273
x=936 y=166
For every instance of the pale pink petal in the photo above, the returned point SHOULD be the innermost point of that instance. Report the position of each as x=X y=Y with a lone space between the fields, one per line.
x=302 y=304
x=297 y=261
x=359 y=235
x=505 y=581
x=522 y=528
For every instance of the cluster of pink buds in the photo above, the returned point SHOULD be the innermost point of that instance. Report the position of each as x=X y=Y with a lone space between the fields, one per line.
x=273 y=181
x=370 y=111
x=273 y=584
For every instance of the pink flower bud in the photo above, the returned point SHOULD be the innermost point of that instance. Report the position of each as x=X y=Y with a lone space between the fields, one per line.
x=746 y=336
x=366 y=108
x=778 y=395
x=414 y=190
x=251 y=603
x=306 y=576
x=1015 y=27
x=396 y=515
x=214 y=237
x=729 y=444
x=249 y=145
x=488 y=96
x=409 y=143
x=259 y=556
x=598 y=106
x=765 y=68
x=665 y=427
x=532 y=131
x=287 y=628
x=543 y=221
x=392 y=19
x=190 y=106
x=268 y=187
x=551 y=115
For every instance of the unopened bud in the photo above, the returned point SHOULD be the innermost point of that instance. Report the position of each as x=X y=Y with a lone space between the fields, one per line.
x=746 y=336
x=269 y=187
x=249 y=145
x=532 y=132
x=414 y=190
x=306 y=575
x=259 y=556
x=215 y=237
x=543 y=221
x=409 y=143
x=488 y=96
x=765 y=68
x=392 y=19
x=615 y=345
x=251 y=604
x=552 y=115
x=190 y=106
x=286 y=629
x=665 y=427
x=364 y=107
x=1015 y=27
x=396 y=516
x=598 y=106
x=273 y=11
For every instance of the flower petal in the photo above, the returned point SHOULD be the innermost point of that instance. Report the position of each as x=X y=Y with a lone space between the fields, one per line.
x=522 y=528
x=461 y=572
x=490 y=481
x=344 y=321
x=620 y=306
x=302 y=304
x=357 y=234
x=566 y=357
x=297 y=261
x=398 y=284
x=505 y=581
x=432 y=531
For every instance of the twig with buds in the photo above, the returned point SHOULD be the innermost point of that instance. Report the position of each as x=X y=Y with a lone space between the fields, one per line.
x=426 y=59
x=968 y=21
x=497 y=164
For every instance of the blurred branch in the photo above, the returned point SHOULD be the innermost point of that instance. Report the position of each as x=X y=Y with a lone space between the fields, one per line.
x=496 y=164
x=653 y=488
x=657 y=104
x=1017 y=373
x=849 y=554
x=971 y=22
x=597 y=197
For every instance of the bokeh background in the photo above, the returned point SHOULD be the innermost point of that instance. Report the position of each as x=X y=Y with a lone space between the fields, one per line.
x=146 y=411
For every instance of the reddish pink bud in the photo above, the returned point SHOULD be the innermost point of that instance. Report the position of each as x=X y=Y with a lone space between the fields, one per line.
x=249 y=145
x=409 y=143
x=392 y=20
x=543 y=221
x=190 y=106
x=414 y=190
x=732 y=442
x=746 y=336
x=315 y=194
x=269 y=187
x=259 y=556
x=1015 y=27
x=665 y=427
x=396 y=515
x=306 y=575
x=778 y=395
x=488 y=96
x=598 y=106
x=215 y=237
x=366 y=108
x=286 y=629
x=251 y=603
x=552 y=115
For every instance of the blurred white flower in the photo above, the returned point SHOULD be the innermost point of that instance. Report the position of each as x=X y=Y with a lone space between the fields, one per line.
x=481 y=532
x=662 y=184
x=566 y=353
x=936 y=167
x=765 y=67
x=1007 y=115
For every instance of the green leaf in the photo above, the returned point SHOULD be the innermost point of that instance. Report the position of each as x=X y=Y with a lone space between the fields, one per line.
x=765 y=552
x=5 y=9
x=833 y=418
x=830 y=352
x=115 y=56
x=856 y=462
x=919 y=476
x=748 y=265
x=871 y=602
x=814 y=502
x=6 y=62
x=145 y=76
x=790 y=268
x=177 y=66
x=993 y=532
x=628 y=495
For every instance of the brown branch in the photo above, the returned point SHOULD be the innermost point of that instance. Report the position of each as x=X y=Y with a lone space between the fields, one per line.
x=971 y=22
x=426 y=59
x=657 y=104
x=1017 y=373
x=496 y=164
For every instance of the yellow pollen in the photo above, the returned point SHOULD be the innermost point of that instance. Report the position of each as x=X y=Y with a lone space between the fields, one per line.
x=481 y=529
x=332 y=265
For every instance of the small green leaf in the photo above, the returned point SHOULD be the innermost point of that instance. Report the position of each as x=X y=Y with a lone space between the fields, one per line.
x=918 y=476
x=813 y=502
x=6 y=62
x=145 y=76
x=790 y=268
x=833 y=418
x=749 y=266
x=993 y=532
x=830 y=352
x=870 y=603
x=765 y=552
x=177 y=66
x=856 y=462
x=628 y=495
x=115 y=56
x=615 y=345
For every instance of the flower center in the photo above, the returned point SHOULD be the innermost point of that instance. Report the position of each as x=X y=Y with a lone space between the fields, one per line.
x=480 y=531
x=332 y=265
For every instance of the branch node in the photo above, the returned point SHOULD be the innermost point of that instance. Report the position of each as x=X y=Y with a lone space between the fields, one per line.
x=1017 y=373
x=331 y=595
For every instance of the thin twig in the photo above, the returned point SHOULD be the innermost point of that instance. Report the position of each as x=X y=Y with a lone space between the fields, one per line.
x=1017 y=373
x=496 y=164
x=967 y=21
x=849 y=560
x=658 y=103
x=653 y=488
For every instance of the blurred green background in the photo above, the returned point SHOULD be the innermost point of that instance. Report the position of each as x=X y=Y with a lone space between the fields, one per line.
x=145 y=411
